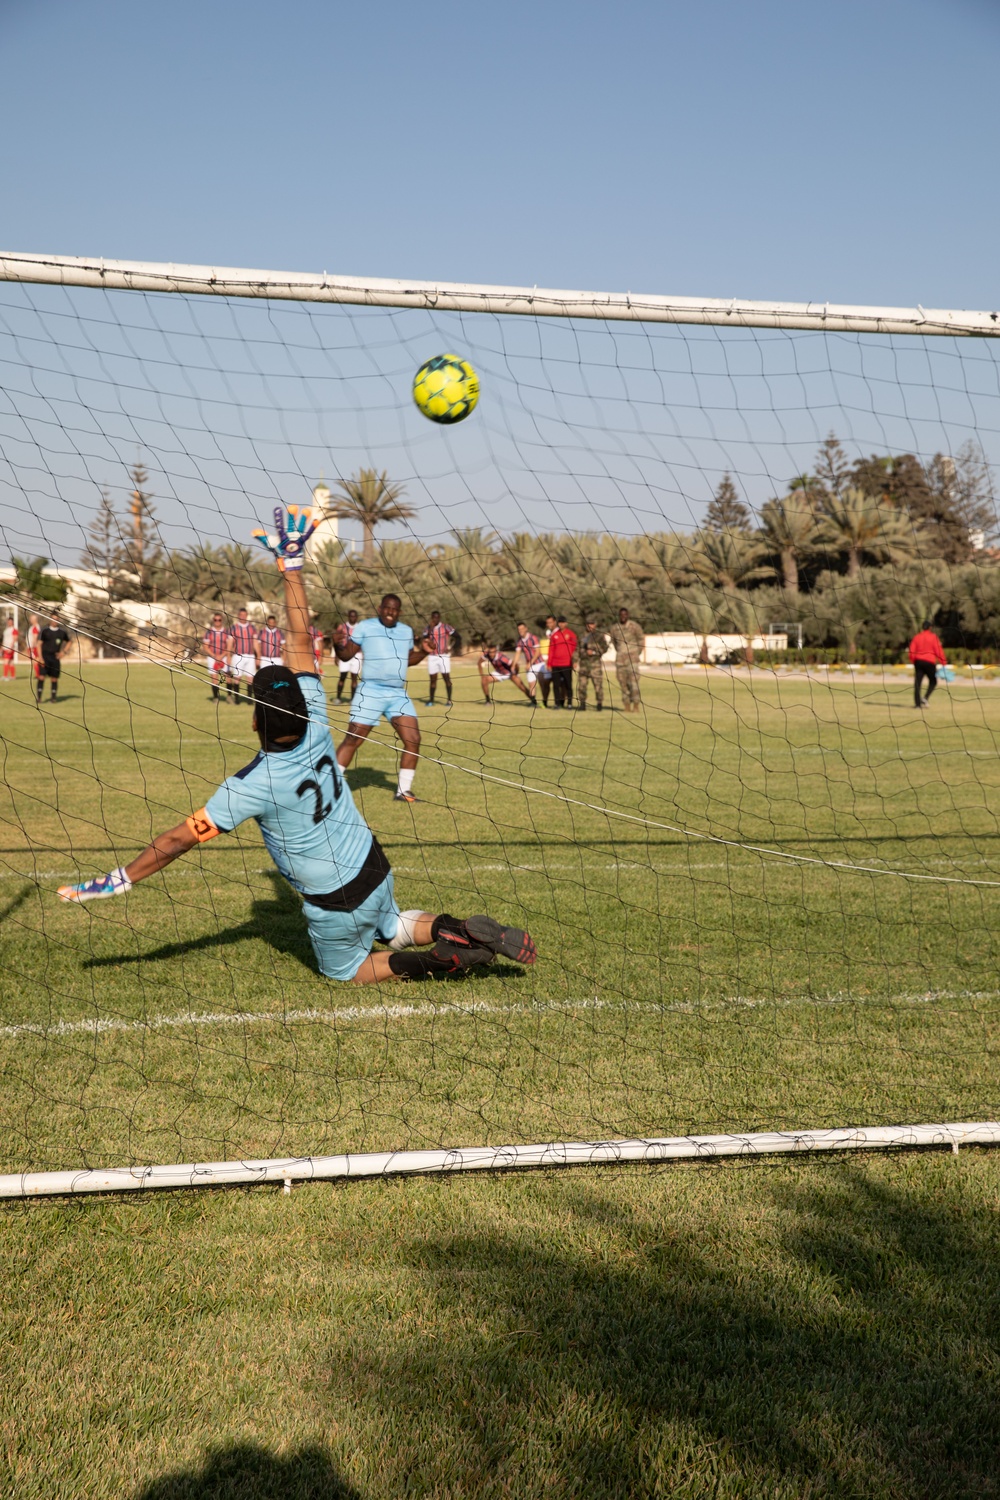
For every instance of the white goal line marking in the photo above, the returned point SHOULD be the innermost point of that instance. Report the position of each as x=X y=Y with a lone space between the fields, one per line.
x=110 y=1025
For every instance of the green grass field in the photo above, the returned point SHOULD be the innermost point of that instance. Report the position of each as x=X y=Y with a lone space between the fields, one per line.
x=805 y=1328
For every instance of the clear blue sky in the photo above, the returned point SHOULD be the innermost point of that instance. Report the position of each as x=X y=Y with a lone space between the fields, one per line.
x=842 y=152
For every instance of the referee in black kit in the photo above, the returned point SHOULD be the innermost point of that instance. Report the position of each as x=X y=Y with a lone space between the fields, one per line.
x=52 y=643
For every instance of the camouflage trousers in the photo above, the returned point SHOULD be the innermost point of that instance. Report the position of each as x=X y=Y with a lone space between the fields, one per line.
x=587 y=673
x=628 y=682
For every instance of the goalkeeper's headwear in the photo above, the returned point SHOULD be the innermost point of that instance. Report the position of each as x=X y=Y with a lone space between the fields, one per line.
x=279 y=705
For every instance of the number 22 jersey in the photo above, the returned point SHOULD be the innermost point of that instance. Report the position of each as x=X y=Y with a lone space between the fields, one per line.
x=304 y=807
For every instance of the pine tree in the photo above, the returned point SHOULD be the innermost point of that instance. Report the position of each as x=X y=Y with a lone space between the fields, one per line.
x=727 y=513
x=103 y=551
x=832 y=472
x=141 y=552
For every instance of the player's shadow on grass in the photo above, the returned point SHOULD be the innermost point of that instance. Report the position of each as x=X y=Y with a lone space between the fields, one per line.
x=10 y=907
x=278 y=922
x=246 y=1470
x=359 y=778
x=849 y=1345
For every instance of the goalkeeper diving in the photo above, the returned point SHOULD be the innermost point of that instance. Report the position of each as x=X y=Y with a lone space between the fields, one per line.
x=316 y=836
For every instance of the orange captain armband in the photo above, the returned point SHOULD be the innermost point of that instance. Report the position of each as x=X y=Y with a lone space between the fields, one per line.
x=202 y=826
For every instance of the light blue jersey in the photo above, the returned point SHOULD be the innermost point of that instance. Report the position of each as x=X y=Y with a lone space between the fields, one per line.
x=386 y=651
x=311 y=827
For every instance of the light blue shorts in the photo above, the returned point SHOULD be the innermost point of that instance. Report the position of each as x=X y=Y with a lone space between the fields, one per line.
x=373 y=700
x=342 y=940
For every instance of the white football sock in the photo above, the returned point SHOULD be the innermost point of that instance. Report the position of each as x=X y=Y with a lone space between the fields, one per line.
x=406 y=780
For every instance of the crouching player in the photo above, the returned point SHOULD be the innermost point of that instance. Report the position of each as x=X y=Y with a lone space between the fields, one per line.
x=496 y=666
x=319 y=841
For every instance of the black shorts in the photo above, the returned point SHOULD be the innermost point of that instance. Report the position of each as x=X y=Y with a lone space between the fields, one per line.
x=51 y=666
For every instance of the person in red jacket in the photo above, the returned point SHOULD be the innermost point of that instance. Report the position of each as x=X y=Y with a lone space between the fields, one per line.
x=926 y=654
x=562 y=649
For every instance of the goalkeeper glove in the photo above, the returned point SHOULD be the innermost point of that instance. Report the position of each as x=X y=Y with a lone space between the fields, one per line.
x=289 y=543
x=115 y=884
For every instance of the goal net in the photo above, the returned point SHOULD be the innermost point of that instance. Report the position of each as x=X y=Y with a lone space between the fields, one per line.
x=764 y=898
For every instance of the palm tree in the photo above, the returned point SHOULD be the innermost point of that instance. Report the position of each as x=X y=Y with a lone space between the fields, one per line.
x=702 y=611
x=742 y=615
x=789 y=528
x=371 y=500
x=729 y=559
x=855 y=523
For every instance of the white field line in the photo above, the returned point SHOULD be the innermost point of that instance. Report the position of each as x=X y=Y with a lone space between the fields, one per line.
x=106 y=1026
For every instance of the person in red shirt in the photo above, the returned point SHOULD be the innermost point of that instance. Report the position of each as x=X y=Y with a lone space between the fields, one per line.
x=562 y=649
x=926 y=654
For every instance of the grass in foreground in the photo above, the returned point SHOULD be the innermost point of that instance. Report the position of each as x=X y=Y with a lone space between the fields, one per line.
x=802 y=1329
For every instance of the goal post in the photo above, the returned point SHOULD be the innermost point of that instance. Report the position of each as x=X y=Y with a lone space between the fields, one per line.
x=764 y=897
x=534 y=302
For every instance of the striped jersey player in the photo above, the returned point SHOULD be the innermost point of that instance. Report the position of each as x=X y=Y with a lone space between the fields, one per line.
x=216 y=643
x=295 y=792
x=438 y=634
x=243 y=651
x=271 y=641
x=497 y=666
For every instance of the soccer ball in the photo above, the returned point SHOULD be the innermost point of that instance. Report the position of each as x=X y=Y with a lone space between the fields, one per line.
x=446 y=388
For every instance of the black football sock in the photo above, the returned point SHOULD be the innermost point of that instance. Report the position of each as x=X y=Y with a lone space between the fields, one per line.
x=410 y=965
x=449 y=923
x=447 y=685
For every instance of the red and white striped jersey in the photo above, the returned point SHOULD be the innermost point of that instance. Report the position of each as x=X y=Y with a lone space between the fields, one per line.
x=317 y=640
x=215 y=643
x=528 y=645
x=501 y=663
x=440 y=637
x=243 y=636
x=271 y=642
x=348 y=627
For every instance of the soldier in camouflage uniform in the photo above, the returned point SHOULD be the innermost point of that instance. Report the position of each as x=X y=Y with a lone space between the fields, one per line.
x=628 y=639
x=590 y=669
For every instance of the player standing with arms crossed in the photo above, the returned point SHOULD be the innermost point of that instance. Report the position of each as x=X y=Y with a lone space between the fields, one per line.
x=243 y=656
x=350 y=668
x=438 y=656
x=272 y=643
x=216 y=643
x=313 y=831
x=389 y=650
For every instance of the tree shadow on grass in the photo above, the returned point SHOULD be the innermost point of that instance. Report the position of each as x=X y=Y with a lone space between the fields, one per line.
x=249 y=1472
x=855 y=1353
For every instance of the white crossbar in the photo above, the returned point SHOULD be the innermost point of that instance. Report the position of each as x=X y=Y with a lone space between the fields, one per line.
x=450 y=296
x=497 y=1158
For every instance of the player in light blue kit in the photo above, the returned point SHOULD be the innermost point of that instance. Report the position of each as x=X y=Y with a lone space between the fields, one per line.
x=316 y=836
x=388 y=650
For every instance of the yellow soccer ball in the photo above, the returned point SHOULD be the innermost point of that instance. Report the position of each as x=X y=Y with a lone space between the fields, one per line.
x=446 y=388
